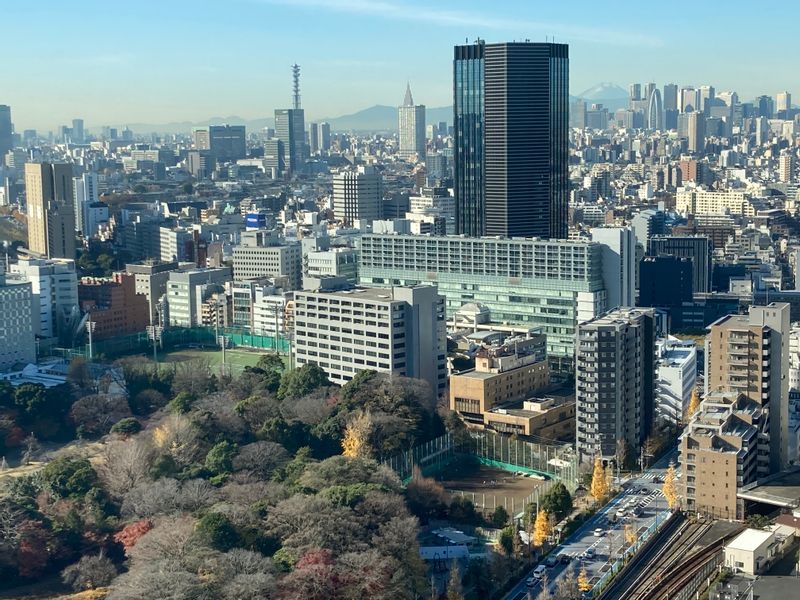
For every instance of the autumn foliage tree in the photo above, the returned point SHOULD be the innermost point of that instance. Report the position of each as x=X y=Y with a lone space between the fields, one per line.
x=669 y=488
x=542 y=529
x=583 y=581
x=356 y=437
x=694 y=404
x=599 y=489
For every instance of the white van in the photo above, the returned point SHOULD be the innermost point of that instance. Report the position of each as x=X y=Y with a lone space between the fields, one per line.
x=539 y=571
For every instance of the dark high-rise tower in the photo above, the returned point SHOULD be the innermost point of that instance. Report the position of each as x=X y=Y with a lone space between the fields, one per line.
x=6 y=136
x=290 y=128
x=511 y=118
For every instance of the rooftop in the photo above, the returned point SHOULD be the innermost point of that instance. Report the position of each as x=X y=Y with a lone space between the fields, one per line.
x=749 y=540
x=782 y=489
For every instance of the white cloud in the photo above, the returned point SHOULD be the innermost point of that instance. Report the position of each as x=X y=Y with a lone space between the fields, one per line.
x=458 y=18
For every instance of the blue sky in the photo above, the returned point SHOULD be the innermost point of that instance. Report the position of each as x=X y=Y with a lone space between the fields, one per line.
x=146 y=61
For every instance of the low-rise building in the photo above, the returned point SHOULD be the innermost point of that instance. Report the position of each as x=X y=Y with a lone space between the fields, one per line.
x=188 y=290
x=264 y=253
x=505 y=373
x=753 y=551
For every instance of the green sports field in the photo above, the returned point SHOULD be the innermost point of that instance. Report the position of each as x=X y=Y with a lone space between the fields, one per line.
x=235 y=360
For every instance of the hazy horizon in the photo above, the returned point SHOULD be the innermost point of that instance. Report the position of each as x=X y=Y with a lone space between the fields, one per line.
x=192 y=61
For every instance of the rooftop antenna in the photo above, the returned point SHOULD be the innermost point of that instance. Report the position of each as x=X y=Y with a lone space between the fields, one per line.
x=296 y=86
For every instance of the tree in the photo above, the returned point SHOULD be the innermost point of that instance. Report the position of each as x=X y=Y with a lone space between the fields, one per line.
x=356 y=436
x=542 y=529
x=130 y=534
x=545 y=593
x=557 y=501
x=499 y=517
x=301 y=381
x=96 y=413
x=125 y=464
x=177 y=437
x=455 y=591
x=271 y=362
x=182 y=403
x=669 y=488
x=599 y=489
x=78 y=373
x=69 y=477
x=507 y=539
x=32 y=449
x=215 y=530
x=631 y=534
x=567 y=587
x=694 y=404
x=757 y=521
x=583 y=581
x=621 y=454
x=89 y=573
x=426 y=497
x=127 y=426
x=219 y=459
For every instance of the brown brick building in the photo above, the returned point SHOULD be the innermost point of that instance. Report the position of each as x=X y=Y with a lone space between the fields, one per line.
x=114 y=305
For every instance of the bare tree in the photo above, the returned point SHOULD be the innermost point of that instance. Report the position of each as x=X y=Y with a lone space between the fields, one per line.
x=125 y=464
x=151 y=498
x=312 y=408
x=90 y=572
x=261 y=458
x=192 y=376
x=159 y=580
x=196 y=494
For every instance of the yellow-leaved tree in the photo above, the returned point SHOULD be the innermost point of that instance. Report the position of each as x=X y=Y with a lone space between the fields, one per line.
x=583 y=581
x=355 y=443
x=669 y=489
x=599 y=480
x=630 y=534
x=542 y=529
x=694 y=404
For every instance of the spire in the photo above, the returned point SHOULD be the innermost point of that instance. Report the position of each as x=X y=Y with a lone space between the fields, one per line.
x=408 y=101
x=295 y=86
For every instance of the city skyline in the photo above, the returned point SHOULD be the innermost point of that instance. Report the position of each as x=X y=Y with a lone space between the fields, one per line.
x=243 y=69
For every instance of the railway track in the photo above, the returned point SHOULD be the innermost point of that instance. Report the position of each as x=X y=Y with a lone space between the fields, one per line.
x=685 y=572
x=650 y=567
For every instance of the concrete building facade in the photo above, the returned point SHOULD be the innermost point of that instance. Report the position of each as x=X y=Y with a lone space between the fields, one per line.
x=358 y=195
x=16 y=323
x=552 y=285
x=614 y=381
x=400 y=331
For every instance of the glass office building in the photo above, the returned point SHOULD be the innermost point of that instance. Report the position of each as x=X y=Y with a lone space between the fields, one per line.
x=511 y=122
x=524 y=282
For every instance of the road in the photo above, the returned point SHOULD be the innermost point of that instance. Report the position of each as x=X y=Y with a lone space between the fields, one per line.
x=608 y=542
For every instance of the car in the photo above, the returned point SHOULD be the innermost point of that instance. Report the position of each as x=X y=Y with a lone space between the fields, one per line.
x=589 y=553
x=621 y=513
x=539 y=571
x=637 y=510
x=598 y=532
x=551 y=561
x=657 y=479
x=564 y=558
x=643 y=491
x=530 y=582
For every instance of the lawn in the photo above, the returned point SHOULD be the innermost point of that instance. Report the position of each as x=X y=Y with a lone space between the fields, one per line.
x=235 y=360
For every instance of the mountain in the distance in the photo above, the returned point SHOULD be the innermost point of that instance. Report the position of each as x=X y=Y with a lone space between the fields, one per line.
x=384 y=118
x=610 y=95
x=375 y=118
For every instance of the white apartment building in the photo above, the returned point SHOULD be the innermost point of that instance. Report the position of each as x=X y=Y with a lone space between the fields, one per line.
x=676 y=376
x=54 y=284
x=695 y=201
x=263 y=253
x=84 y=194
x=269 y=312
x=358 y=195
x=174 y=244
x=619 y=263
x=16 y=323
x=398 y=330
x=187 y=290
x=335 y=262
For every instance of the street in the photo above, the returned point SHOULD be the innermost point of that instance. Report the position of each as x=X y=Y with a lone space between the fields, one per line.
x=608 y=543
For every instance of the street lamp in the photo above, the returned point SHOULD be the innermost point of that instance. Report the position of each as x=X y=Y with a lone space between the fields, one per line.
x=90 y=325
